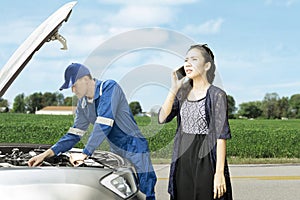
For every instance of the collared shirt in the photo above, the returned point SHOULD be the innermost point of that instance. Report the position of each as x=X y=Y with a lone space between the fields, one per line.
x=112 y=119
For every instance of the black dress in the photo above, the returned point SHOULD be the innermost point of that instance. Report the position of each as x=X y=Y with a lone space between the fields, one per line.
x=218 y=128
x=194 y=174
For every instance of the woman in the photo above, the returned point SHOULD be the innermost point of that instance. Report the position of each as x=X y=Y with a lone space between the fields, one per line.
x=199 y=169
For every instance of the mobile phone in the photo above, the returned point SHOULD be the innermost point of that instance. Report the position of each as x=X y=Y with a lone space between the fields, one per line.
x=180 y=73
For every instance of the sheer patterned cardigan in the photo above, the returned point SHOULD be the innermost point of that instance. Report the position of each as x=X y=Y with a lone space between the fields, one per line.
x=218 y=128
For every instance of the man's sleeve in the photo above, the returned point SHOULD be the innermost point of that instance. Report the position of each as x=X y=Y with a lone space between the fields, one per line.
x=74 y=133
x=105 y=117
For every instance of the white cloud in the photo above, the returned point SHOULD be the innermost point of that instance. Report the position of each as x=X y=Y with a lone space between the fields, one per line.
x=139 y=15
x=209 y=27
x=286 y=3
x=16 y=31
x=152 y=2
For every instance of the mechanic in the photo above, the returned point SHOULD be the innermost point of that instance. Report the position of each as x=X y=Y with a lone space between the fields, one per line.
x=103 y=104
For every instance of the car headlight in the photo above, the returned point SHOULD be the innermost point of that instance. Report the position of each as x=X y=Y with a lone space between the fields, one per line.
x=121 y=182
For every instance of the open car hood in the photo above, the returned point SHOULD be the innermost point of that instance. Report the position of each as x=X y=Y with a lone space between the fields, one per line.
x=46 y=32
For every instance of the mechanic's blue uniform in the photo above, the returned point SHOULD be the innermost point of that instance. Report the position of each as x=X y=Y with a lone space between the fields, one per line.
x=112 y=119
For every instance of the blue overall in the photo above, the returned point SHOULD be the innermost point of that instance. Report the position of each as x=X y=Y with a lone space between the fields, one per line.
x=112 y=119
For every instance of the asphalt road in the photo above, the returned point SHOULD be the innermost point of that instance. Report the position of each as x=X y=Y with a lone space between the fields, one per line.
x=255 y=182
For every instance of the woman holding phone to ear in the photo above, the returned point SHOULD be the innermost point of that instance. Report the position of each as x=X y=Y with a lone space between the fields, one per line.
x=199 y=168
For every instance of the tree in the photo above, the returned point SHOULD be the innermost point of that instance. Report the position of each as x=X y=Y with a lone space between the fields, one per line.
x=250 y=109
x=19 y=104
x=294 y=103
x=59 y=98
x=49 y=99
x=270 y=107
x=70 y=101
x=135 y=107
x=52 y=99
x=231 y=106
x=282 y=107
x=3 y=102
x=34 y=102
x=3 y=105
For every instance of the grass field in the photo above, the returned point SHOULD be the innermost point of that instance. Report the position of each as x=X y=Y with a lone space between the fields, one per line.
x=262 y=141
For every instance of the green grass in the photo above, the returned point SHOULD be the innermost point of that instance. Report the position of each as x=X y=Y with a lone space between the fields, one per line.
x=237 y=160
x=253 y=141
x=264 y=139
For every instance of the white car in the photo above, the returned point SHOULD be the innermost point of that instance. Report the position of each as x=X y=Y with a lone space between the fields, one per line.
x=103 y=176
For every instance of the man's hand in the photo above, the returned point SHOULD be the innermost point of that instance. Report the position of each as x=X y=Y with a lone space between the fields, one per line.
x=77 y=158
x=38 y=159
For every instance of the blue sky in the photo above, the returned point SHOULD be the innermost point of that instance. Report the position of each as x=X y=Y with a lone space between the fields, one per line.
x=256 y=44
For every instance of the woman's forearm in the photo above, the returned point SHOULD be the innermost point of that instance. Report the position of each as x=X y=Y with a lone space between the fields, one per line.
x=167 y=105
x=166 y=108
x=219 y=178
x=221 y=154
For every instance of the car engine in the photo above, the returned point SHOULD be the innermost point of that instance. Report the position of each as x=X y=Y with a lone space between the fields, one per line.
x=19 y=156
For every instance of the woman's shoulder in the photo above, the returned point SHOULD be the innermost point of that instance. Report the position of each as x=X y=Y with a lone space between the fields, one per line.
x=216 y=90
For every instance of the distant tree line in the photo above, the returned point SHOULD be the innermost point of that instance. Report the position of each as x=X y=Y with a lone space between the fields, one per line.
x=271 y=107
x=37 y=101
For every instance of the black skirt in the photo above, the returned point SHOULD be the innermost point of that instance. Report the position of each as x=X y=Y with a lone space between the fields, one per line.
x=194 y=175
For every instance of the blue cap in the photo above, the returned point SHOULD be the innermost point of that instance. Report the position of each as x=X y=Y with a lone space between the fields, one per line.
x=74 y=72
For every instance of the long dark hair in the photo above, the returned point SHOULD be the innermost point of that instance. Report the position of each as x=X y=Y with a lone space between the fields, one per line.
x=208 y=57
x=210 y=75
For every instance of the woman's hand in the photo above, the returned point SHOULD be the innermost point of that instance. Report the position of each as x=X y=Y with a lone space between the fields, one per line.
x=175 y=82
x=219 y=185
x=167 y=105
x=77 y=158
